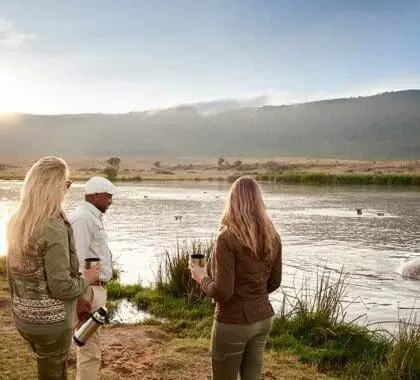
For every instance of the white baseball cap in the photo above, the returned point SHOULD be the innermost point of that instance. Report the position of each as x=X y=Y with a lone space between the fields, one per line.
x=98 y=185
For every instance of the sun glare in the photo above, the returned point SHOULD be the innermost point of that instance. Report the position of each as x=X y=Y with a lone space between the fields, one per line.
x=3 y=241
x=9 y=92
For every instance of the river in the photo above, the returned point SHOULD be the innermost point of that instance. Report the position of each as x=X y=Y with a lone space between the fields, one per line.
x=319 y=227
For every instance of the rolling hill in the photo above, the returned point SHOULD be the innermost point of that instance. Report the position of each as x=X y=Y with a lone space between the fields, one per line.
x=385 y=126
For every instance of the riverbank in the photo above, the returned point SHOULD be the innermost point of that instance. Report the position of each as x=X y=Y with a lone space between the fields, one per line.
x=313 y=331
x=283 y=169
x=310 y=336
x=142 y=351
x=304 y=178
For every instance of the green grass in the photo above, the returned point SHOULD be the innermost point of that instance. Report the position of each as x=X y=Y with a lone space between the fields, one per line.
x=184 y=315
x=314 y=336
x=341 y=179
x=302 y=178
x=175 y=301
x=117 y=291
x=341 y=349
x=403 y=359
x=163 y=355
x=311 y=324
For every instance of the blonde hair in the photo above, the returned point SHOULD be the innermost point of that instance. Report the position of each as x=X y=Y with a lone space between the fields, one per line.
x=41 y=198
x=246 y=218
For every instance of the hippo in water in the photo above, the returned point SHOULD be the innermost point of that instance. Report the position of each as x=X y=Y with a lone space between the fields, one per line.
x=410 y=269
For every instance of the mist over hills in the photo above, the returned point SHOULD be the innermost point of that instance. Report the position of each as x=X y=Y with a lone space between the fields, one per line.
x=385 y=126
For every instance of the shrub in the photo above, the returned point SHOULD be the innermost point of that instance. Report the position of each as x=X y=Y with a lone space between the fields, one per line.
x=173 y=275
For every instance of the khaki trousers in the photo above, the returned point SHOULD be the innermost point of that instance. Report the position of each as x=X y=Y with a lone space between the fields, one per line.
x=238 y=349
x=51 y=351
x=89 y=356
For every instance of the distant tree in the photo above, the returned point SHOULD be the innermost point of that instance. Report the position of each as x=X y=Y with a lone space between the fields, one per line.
x=111 y=173
x=114 y=162
x=220 y=161
x=156 y=164
x=112 y=168
x=237 y=164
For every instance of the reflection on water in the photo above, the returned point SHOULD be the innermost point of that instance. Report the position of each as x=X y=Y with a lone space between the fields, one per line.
x=4 y=216
x=126 y=312
x=319 y=226
x=3 y=243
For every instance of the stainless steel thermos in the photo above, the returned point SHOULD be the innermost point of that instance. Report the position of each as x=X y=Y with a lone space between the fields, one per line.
x=86 y=330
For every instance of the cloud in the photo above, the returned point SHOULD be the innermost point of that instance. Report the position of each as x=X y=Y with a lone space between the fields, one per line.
x=220 y=105
x=10 y=38
x=275 y=97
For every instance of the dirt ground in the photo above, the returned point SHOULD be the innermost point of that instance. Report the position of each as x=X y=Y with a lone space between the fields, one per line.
x=136 y=352
x=208 y=167
x=144 y=352
x=149 y=353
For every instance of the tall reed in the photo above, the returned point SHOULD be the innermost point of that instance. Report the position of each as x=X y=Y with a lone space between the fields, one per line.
x=403 y=359
x=313 y=323
x=173 y=275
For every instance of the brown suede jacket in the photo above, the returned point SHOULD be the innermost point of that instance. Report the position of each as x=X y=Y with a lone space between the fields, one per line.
x=239 y=283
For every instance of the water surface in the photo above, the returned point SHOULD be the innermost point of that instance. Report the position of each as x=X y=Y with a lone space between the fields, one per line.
x=318 y=225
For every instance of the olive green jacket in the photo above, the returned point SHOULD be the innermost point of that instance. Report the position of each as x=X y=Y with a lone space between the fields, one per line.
x=44 y=280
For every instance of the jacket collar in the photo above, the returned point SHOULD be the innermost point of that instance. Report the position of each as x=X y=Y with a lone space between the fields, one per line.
x=91 y=208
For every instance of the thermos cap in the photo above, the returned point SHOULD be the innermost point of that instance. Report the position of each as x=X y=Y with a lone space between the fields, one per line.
x=99 y=315
x=102 y=311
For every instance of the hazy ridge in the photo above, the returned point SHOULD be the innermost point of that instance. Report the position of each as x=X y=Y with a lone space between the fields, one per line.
x=385 y=126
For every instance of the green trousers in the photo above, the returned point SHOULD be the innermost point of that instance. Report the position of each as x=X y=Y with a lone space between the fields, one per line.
x=51 y=351
x=238 y=349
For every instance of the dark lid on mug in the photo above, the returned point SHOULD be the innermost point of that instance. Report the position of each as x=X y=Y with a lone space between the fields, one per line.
x=197 y=256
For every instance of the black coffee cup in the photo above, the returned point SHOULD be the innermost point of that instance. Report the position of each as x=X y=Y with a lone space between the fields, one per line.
x=198 y=259
x=90 y=262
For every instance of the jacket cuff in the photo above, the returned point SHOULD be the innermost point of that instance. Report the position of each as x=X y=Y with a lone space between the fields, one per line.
x=85 y=283
x=205 y=283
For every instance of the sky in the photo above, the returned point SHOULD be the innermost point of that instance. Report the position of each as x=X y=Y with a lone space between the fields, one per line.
x=77 y=56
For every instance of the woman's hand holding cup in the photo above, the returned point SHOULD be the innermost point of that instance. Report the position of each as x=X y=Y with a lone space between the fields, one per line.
x=198 y=267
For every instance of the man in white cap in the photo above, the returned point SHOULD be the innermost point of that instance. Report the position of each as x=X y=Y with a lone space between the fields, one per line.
x=91 y=243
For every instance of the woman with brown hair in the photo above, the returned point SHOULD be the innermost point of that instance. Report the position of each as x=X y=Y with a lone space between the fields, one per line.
x=246 y=266
x=43 y=268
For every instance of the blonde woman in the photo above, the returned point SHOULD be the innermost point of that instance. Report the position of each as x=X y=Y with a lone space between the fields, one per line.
x=43 y=267
x=246 y=267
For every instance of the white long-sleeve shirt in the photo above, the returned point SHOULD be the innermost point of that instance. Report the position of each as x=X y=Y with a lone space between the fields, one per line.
x=90 y=238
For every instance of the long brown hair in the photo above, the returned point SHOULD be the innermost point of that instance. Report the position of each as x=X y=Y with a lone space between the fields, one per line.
x=245 y=216
x=41 y=198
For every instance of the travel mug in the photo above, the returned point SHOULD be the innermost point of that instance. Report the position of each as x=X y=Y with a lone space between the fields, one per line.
x=198 y=259
x=90 y=262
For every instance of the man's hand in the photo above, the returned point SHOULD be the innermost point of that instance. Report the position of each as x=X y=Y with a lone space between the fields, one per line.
x=83 y=309
x=92 y=274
